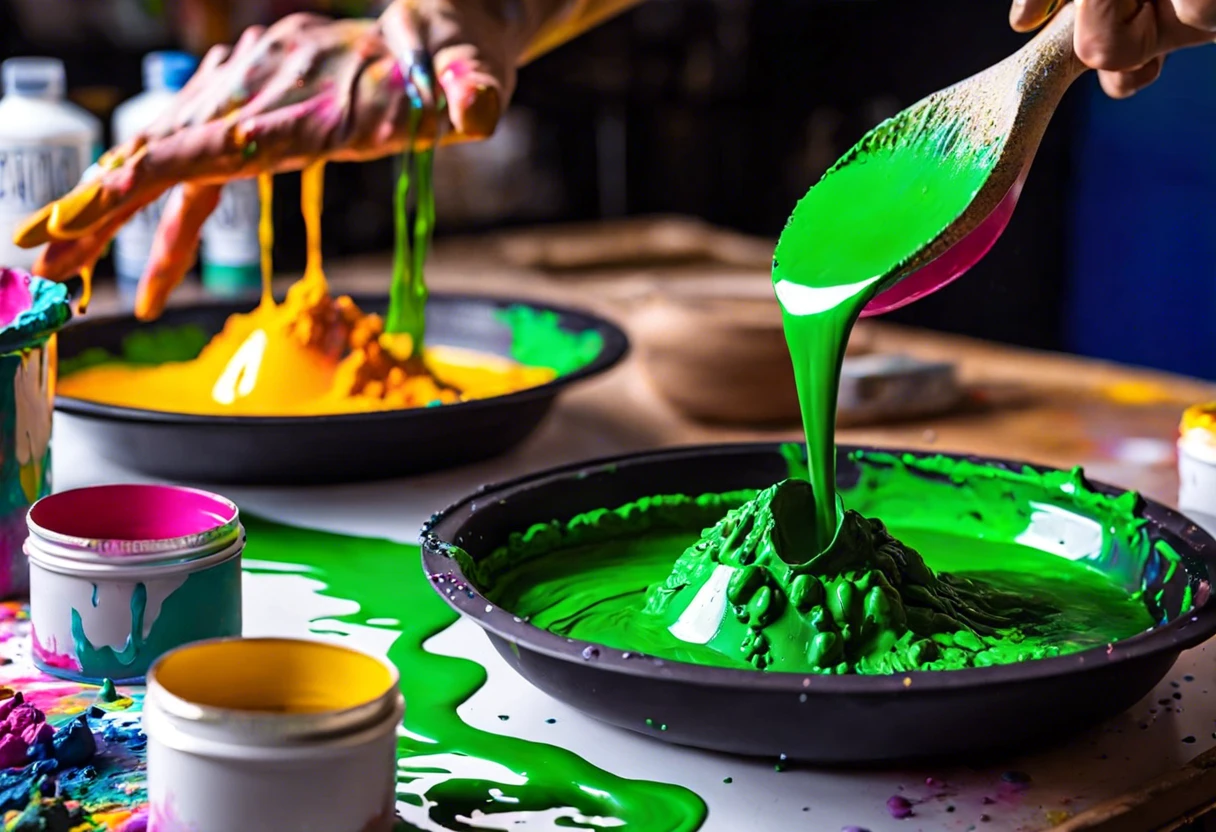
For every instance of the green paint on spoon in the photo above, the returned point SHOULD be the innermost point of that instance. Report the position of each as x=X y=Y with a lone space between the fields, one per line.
x=891 y=196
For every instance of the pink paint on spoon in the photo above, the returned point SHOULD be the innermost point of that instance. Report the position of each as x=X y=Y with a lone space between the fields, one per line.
x=955 y=262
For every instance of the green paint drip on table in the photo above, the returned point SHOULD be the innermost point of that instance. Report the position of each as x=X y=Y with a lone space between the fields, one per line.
x=539 y=340
x=408 y=292
x=869 y=605
x=385 y=579
x=848 y=238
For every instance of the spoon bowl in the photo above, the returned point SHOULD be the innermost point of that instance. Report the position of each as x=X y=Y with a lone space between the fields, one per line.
x=1006 y=109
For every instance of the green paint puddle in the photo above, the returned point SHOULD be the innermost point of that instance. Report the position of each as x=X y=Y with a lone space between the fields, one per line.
x=387 y=581
x=1024 y=564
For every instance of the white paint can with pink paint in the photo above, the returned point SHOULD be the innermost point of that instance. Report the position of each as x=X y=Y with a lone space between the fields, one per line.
x=257 y=734
x=121 y=574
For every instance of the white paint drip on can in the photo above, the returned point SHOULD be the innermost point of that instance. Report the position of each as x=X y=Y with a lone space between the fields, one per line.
x=122 y=574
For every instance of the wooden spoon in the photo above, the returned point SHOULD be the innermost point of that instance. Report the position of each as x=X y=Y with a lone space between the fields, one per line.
x=1007 y=106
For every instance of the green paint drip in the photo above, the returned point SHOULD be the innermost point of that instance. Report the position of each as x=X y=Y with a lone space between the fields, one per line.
x=884 y=202
x=408 y=292
x=989 y=588
x=538 y=340
x=384 y=578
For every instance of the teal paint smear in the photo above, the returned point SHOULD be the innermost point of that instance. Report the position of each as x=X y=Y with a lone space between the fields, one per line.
x=206 y=605
x=94 y=598
x=387 y=581
x=538 y=340
x=90 y=656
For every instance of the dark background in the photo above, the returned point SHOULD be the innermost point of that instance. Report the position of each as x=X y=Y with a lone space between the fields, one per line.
x=729 y=109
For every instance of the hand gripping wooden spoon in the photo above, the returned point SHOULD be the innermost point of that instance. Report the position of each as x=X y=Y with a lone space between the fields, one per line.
x=1006 y=107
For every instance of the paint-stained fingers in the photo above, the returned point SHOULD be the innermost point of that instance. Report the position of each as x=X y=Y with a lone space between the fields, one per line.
x=1028 y=15
x=476 y=88
x=175 y=247
x=405 y=31
x=1197 y=14
x=63 y=259
x=1127 y=84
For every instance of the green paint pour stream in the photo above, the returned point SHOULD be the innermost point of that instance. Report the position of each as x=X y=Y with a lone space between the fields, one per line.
x=890 y=197
x=387 y=582
x=408 y=293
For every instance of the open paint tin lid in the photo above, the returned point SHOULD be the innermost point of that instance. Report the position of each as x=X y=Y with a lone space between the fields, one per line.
x=131 y=525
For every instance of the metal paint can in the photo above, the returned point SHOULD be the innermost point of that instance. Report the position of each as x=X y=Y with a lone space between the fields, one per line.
x=121 y=574
x=249 y=735
x=31 y=310
x=1197 y=465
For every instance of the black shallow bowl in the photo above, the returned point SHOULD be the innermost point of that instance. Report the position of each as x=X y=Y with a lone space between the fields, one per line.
x=309 y=450
x=819 y=719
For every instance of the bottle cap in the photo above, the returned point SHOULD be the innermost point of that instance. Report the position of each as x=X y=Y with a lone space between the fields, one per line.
x=168 y=71
x=34 y=77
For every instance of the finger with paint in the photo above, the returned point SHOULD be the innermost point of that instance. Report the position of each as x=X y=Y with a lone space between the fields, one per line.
x=307 y=88
x=475 y=47
x=1127 y=40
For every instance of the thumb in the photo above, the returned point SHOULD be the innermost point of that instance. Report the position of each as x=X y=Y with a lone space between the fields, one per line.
x=477 y=90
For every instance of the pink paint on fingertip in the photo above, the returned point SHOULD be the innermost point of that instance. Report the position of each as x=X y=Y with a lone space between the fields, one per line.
x=15 y=294
x=131 y=513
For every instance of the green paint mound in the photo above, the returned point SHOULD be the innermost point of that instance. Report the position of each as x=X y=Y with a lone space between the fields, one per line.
x=754 y=588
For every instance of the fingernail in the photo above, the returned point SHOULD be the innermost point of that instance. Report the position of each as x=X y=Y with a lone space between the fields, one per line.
x=34 y=231
x=76 y=213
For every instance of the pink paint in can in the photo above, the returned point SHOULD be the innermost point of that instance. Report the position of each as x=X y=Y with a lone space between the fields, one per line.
x=120 y=574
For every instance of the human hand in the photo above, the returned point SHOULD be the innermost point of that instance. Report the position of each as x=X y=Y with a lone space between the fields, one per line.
x=303 y=90
x=1126 y=40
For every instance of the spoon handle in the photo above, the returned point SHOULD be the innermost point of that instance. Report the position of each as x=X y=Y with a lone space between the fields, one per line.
x=1050 y=58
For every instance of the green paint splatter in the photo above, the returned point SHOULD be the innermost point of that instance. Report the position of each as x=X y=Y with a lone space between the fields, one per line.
x=386 y=580
x=144 y=347
x=539 y=340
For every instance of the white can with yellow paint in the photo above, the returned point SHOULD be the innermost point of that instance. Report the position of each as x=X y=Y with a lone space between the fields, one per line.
x=1197 y=465
x=248 y=735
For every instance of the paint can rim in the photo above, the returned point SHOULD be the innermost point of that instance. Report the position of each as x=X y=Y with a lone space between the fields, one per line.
x=253 y=734
x=132 y=551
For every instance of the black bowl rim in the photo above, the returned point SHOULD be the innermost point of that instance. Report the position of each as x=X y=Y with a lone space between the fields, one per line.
x=1183 y=633
x=616 y=347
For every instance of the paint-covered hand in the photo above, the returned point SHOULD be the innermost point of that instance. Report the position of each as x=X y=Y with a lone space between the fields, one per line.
x=304 y=89
x=474 y=46
x=1127 y=40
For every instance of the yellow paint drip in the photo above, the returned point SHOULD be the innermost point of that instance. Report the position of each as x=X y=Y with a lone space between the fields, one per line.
x=86 y=291
x=273 y=676
x=311 y=355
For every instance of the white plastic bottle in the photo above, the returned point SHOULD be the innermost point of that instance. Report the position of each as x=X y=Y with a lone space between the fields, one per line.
x=232 y=255
x=46 y=143
x=164 y=74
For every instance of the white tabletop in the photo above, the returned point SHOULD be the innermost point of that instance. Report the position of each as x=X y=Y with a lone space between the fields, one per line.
x=1141 y=744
